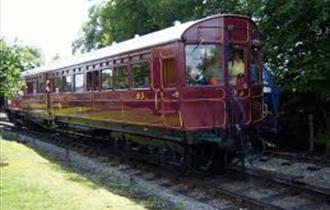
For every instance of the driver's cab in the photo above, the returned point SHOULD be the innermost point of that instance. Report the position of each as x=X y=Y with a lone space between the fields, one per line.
x=221 y=63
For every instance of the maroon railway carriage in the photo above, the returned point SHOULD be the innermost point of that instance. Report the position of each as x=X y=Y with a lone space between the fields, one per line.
x=179 y=87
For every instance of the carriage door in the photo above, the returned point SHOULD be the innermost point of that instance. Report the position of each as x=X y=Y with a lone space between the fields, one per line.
x=165 y=74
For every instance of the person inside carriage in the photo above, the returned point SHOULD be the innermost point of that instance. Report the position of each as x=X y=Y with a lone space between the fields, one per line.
x=236 y=68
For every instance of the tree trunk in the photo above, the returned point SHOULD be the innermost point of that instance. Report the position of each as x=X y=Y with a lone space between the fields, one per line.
x=311 y=133
x=326 y=119
x=327 y=130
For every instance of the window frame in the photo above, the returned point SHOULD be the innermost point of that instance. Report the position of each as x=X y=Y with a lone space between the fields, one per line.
x=115 y=69
x=53 y=83
x=62 y=88
x=40 y=84
x=112 y=79
x=162 y=73
x=150 y=75
x=74 y=89
x=93 y=85
x=246 y=62
x=222 y=63
x=30 y=88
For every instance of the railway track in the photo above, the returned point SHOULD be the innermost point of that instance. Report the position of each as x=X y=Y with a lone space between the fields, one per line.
x=235 y=189
x=298 y=156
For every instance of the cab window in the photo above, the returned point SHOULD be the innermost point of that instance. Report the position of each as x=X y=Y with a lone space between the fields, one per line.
x=203 y=65
x=141 y=75
x=235 y=64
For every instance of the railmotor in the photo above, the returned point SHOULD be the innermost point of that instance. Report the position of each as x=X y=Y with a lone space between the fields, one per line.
x=189 y=95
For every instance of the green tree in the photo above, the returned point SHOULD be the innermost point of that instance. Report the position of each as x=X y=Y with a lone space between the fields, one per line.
x=13 y=60
x=297 y=45
x=297 y=38
x=118 y=20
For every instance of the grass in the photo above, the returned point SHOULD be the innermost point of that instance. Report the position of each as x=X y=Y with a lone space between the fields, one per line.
x=29 y=181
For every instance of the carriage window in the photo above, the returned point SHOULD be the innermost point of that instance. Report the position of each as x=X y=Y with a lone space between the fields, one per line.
x=29 y=87
x=89 y=81
x=79 y=83
x=169 y=72
x=96 y=78
x=203 y=65
x=141 y=75
x=66 y=83
x=40 y=84
x=121 y=78
x=93 y=78
x=235 y=64
x=107 y=79
x=37 y=85
x=34 y=87
x=255 y=73
x=56 y=84
x=52 y=84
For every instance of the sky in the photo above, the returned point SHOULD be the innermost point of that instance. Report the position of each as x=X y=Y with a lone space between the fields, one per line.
x=51 y=25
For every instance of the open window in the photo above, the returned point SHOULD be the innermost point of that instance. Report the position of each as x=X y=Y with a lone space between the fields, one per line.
x=121 y=78
x=107 y=77
x=168 y=72
x=66 y=83
x=29 y=87
x=41 y=84
x=56 y=84
x=96 y=78
x=141 y=75
x=204 y=65
x=235 y=64
x=93 y=81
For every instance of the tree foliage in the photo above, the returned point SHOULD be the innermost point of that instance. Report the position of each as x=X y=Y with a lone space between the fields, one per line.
x=297 y=37
x=13 y=60
x=118 y=20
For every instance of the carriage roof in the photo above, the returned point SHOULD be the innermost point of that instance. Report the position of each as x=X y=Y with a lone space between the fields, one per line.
x=138 y=42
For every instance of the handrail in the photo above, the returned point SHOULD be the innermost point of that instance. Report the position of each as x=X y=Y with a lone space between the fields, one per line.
x=156 y=98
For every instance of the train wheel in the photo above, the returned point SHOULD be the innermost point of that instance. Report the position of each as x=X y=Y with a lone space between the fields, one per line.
x=179 y=163
x=252 y=147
